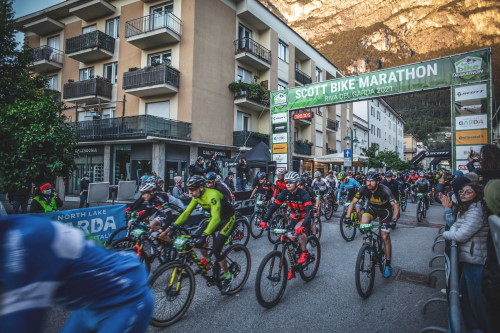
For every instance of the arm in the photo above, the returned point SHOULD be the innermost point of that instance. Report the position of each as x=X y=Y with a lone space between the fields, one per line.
x=215 y=214
x=185 y=215
x=176 y=202
x=472 y=223
x=339 y=194
x=276 y=204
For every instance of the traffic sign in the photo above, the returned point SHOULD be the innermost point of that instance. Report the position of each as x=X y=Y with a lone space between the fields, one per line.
x=348 y=153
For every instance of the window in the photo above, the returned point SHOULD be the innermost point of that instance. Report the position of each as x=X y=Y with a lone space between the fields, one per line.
x=52 y=82
x=319 y=75
x=90 y=28
x=53 y=42
x=244 y=36
x=283 y=51
x=319 y=139
x=110 y=71
x=372 y=129
x=282 y=85
x=113 y=27
x=164 y=57
x=378 y=132
x=244 y=75
x=243 y=121
x=159 y=109
x=160 y=17
x=86 y=73
x=296 y=134
x=378 y=115
x=372 y=111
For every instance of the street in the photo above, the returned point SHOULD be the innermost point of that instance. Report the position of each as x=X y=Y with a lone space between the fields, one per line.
x=330 y=302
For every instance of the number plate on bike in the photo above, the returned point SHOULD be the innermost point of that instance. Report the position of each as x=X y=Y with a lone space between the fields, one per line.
x=347 y=204
x=259 y=203
x=365 y=227
x=137 y=232
x=179 y=242
x=279 y=231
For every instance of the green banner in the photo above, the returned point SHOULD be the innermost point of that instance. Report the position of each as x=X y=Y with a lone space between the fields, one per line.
x=437 y=73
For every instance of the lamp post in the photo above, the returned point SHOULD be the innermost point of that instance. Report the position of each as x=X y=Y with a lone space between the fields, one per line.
x=352 y=139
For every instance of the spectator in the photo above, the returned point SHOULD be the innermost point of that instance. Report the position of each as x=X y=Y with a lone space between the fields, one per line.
x=470 y=231
x=489 y=159
x=492 y=196
x=178 y=190
x=212 y=165
x=242 y=170
x=45 y=200
x=229 y=180
x=199 y=167
x=84 y=190
x=19 y=197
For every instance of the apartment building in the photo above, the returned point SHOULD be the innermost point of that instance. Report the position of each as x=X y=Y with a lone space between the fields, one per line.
x=149 y=85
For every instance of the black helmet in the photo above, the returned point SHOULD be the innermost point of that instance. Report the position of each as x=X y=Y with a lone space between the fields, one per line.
x=373 y=175
x=389 y=174
x=211 y=176
x=261 y=175
x=196 y=181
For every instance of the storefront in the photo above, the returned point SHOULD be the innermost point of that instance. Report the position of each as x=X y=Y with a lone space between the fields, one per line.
x=90 y=161
x=176 y=163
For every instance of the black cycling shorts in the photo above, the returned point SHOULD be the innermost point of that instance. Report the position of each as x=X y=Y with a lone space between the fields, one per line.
x=384 y=215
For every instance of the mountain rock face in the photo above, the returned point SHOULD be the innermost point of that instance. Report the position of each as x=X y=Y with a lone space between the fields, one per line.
x=364 y=35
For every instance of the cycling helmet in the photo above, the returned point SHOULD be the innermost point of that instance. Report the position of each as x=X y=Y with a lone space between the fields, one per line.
x=302 y=181
x=196 y=181
x=421 y=174
x=218 y=178
x=147 y=187
x=305 y=174
x=211 y=176
x=150 y=179
x=373 y=175
x=280 y=171
x=389 y=174
x=341 y=176
x=317 y=174
x=261 y=175
x=292 y=175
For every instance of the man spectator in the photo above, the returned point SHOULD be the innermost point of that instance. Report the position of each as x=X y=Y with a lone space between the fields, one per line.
x=229 y=180
x=198 y=167
x=242 y=170
x=45 y=200
x=212 y=165
x=18 y=198
x=84 y=190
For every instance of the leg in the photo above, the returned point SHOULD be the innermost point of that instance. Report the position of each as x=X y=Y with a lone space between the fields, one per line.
x=478 y=314
x=386 y=237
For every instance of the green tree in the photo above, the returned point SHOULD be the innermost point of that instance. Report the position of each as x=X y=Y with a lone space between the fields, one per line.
x=37 y=144
x=373 y=160
x=391 y=160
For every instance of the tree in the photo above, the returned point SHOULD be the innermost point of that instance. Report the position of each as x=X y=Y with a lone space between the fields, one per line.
x=371 y=153
x=37 y=144
x=391 y=160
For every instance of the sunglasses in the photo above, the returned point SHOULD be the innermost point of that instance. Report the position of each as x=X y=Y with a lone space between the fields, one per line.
x=290 y=182
x=465 y=192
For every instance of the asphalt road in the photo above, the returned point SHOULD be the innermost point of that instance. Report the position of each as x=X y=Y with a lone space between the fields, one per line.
x=330 y=302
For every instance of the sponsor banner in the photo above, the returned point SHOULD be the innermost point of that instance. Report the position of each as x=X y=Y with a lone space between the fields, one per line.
x=479 y=121
x=277 y=118
x=280 y=148
x=280 y=138
x=463 y=152
x=477 y=137
x=280 y=158
x=462 y=166
x=279 y=128
x=281 y=166
x=458 y=69
x=466 y=93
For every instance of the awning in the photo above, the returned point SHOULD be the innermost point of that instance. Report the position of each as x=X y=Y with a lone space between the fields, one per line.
x=338 y=159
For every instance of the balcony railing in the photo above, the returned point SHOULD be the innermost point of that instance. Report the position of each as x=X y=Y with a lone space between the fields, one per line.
x=249 y=139
x=153 y=22
x=93 y=87
x=331 y=151
x=248 y=45
x=132 y=127
x=162 y=74
x=256 y=96
x=332 y=125
x=302 y=148
x=302 y=77
x=90 y=40
x=47 y=53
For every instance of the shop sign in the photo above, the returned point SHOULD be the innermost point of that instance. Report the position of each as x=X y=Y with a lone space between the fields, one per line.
x=280 y=158
x=219 y=153
x=303 y=115
x=90 y=150
x=278 y=118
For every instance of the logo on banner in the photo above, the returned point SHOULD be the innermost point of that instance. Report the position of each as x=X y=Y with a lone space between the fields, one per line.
x=468 y=67
x=279 y=128
x=280 y=99
x=280 y=158
x=280 y=148
x=277 y=118
x=477 y=91
x=281 y=167
x=476 y=137
x=280 y=138
x=471 y=122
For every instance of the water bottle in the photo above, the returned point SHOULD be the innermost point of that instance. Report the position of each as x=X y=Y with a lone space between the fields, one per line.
x=205 y=263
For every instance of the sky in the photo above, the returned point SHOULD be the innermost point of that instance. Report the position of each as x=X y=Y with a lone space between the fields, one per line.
x=25 y=7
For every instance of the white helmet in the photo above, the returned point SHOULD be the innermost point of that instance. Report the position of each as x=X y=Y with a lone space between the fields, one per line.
x=292 y=175
x=317 y=174
x=280 y=171
x=147 y=187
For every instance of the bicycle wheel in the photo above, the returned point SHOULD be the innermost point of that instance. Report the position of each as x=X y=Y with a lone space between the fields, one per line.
x=403 y=205
x=316 y=227
x=348 y=231
x=276 y=222
x=327 y=209
x=255 y=230
x=271 y=279
x=239 y=264
x=420 y=215
x=309 y=269
x=365 y=271
x=123 y=243
x=241 y=233
x=121 y=232
x=381 y=256
x=334 y=205
x=173 y=287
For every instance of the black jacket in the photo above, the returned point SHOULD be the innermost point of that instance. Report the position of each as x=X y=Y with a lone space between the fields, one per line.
x=199 y=170
x=242 y=170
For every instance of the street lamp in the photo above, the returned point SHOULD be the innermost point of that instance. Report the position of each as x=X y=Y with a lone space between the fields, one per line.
x=352 y=139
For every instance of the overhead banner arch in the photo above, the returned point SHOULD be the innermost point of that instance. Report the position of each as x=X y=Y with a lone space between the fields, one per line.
x=468 y=74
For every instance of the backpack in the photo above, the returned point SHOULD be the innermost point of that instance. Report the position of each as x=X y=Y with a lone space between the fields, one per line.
x=191 y=169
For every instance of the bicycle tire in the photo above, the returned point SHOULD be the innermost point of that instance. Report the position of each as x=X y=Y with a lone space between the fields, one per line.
x=307 y=273
x=276 y=222
x=241 y=233
x=255 y=230
x=334 y=205
x=113 y=235
x=382 y=260
x=420 y=216
x=277 y=276
x=316 y=228
x=327 y=210
x=122 y=243
x=159 y=286
x=403 y=206
x=347 y=232
x=235 y=266
x=364 y=269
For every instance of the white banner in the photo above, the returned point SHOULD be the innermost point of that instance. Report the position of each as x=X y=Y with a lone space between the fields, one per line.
x=479 y=121
x=277 y=118
x=280 y=158
x=463 y=152
x=477 y=91
x=280 y=138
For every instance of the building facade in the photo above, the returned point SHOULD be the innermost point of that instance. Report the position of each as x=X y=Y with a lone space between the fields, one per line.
x=151 y=85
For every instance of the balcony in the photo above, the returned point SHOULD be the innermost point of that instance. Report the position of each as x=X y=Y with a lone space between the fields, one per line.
x=332 y=125
x=92 y=10
x=155 y=30
x=89 y=91
x=331 y=151
x=302 y=77
x=410 y=150
x=90 y=47
x=152 y=81
x=44 y=26
x=46 y=59
x=249 y=139
x=302 y=148
x=252 y=98
x=251 y=53
x=132 y=128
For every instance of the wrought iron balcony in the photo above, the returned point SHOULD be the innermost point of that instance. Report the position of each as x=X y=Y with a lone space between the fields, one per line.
x=332 y=125
x=252 y=53
x=302 y=77
x=46 y=59
x=151 y=81
x=132 y=127
x=155 y=30
x=254 y=99
x=249 y=139
x=88 y=91
x=302 y=148
x=90 y=47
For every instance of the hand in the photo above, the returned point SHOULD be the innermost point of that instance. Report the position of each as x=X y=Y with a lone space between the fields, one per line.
x=445 y=200
x=263 y=225
x=200 y=240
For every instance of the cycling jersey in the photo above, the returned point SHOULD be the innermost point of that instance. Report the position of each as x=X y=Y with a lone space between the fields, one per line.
x=226 y=191
x=300 y=203
x=422 y=186
x=164 y=202
x=43 y=261
x=381 y=198
x=265 y=189
x=394 y=186
x=319 y=185
x=280 y=187
x=351 y=184
x=331 y=181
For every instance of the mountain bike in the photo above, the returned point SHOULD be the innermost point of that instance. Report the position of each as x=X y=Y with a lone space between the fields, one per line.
x=421 y=209
x=326 y=207
x=402 y=202
x=349 y=224
x=279 y=221
x=370 y=255
x=255 y=230
x=271 y=279
x=173 y=284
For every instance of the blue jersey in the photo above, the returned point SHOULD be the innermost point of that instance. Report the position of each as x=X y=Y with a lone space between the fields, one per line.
x=351 y=184
x=43 y=261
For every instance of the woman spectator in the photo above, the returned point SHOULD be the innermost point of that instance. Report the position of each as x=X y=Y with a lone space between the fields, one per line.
x=470 y=231
x=178 y=191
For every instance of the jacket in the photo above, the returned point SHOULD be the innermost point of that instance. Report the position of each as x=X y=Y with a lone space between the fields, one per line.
x=470 y=231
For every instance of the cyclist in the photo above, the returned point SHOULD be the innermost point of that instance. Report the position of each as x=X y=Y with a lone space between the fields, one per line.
x=392 y=184
x=380 y=201
x=214 y=181
x=43 y=261
x=307 y=178
x=349 y=184
x=300 y=203
x=222 y=219
x=280 y=182
x=331 y=181
x=320 y=187
x=263 y=191
x=422 y=185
